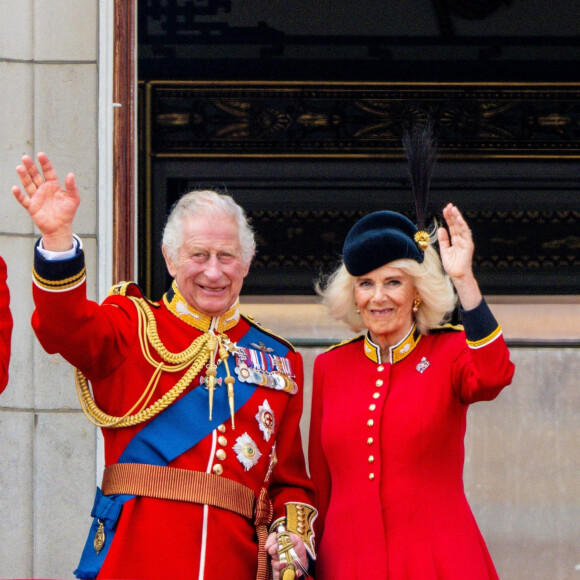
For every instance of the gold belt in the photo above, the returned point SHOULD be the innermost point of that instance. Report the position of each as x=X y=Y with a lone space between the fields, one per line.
x=179 y=484
x=163 y=482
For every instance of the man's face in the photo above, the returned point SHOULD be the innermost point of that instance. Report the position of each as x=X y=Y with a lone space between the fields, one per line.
x=209 y=271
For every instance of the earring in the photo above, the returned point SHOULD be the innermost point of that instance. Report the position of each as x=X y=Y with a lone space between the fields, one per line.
x=416 y=304
x=356 y=308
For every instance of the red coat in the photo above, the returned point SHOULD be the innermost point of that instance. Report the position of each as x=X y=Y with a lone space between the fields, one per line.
x=5 y=327
x=386 y=454
x=157 y=538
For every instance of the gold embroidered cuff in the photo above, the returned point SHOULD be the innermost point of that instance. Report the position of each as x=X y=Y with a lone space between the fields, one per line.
x=299 y=519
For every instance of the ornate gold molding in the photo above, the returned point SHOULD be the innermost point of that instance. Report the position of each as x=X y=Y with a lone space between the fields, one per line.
x=352 y=120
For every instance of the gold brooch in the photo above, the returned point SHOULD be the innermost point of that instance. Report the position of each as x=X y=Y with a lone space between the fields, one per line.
x=422 y=239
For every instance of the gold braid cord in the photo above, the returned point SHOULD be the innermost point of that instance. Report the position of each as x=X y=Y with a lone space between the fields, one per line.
x=195 y=356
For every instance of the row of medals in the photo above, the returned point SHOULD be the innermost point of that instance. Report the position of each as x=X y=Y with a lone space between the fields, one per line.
x=273 y=380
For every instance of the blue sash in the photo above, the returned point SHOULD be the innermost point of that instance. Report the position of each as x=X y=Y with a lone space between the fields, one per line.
x=165 y=437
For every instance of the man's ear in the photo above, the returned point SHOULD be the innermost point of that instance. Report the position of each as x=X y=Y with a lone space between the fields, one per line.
x=171 y=267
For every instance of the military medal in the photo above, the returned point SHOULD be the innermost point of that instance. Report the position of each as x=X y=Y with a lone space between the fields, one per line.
x=206 y=381
x=266 y=420
x=279 y=382
x=247 y=451
x=267 y=370
x=291 y=386
x=243 y=372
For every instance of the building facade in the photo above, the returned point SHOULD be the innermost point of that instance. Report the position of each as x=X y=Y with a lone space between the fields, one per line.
x=523 y=450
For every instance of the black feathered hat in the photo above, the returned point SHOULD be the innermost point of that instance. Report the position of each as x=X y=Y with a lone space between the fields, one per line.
x=384 y=236
x=377 y=239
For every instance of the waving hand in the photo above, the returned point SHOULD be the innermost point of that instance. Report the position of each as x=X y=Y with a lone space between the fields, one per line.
x=456 y=249
x=51 y=207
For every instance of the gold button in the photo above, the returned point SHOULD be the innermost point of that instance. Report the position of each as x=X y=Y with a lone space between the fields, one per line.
x=379 y=383
x=370 y=440
x=371 y=476
x=372 y=407
x=370 y=422
x=380 y=368
x=218 y=469
x=220 y=454
x=222 y=441
x=222 y=428
x=376 y=395
x=371 y=458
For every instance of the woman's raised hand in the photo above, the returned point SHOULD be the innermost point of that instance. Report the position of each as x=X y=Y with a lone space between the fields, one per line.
x=456 y=249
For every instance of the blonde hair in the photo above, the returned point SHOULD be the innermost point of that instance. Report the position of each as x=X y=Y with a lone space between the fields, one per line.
x=434 y=287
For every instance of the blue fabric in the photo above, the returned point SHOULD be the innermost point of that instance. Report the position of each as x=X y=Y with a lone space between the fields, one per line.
x=57 y=270
x=107 y=509
x=186 y=422
x=479 y=323
x=167 y=436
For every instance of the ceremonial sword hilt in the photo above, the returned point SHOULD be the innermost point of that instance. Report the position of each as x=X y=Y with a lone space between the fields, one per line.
x=288 y=556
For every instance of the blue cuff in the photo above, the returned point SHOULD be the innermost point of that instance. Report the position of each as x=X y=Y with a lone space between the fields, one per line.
x=59 y=275
x=479 y=322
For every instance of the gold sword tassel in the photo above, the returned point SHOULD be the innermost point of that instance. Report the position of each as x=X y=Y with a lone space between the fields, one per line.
x=211 y=372
x=230 y=383
x=229 y=380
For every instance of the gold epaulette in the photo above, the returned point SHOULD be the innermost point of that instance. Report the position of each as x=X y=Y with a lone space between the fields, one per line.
x=125 y=289
x=250 y=320
x=447 y=327
x=344 y=342
x=130 y=289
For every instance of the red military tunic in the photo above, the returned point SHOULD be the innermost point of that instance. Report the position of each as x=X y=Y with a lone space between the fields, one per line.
x=387 y=451
x=161 y=538
x=5 y=327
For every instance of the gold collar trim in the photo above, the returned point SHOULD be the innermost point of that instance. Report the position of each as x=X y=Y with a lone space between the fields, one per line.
x=397 y=352
x=176 y=303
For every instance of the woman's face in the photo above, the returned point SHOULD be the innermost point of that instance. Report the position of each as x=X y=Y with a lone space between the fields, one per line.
x=385 y=300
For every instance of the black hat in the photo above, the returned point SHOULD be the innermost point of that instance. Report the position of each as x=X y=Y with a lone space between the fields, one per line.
x=384 y=236
x=377 y=239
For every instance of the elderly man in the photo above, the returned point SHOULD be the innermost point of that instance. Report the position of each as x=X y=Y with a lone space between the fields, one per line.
x=199 y=406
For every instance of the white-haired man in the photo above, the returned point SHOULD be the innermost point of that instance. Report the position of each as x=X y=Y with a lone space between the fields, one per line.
x=199 y=406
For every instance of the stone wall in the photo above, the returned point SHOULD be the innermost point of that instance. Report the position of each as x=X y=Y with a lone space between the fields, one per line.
x=49 y=102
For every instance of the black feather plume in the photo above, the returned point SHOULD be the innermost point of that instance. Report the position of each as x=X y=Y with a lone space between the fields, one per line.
x=421 y=150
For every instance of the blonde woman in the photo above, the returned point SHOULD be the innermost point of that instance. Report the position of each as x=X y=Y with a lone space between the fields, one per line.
x=389 y=406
